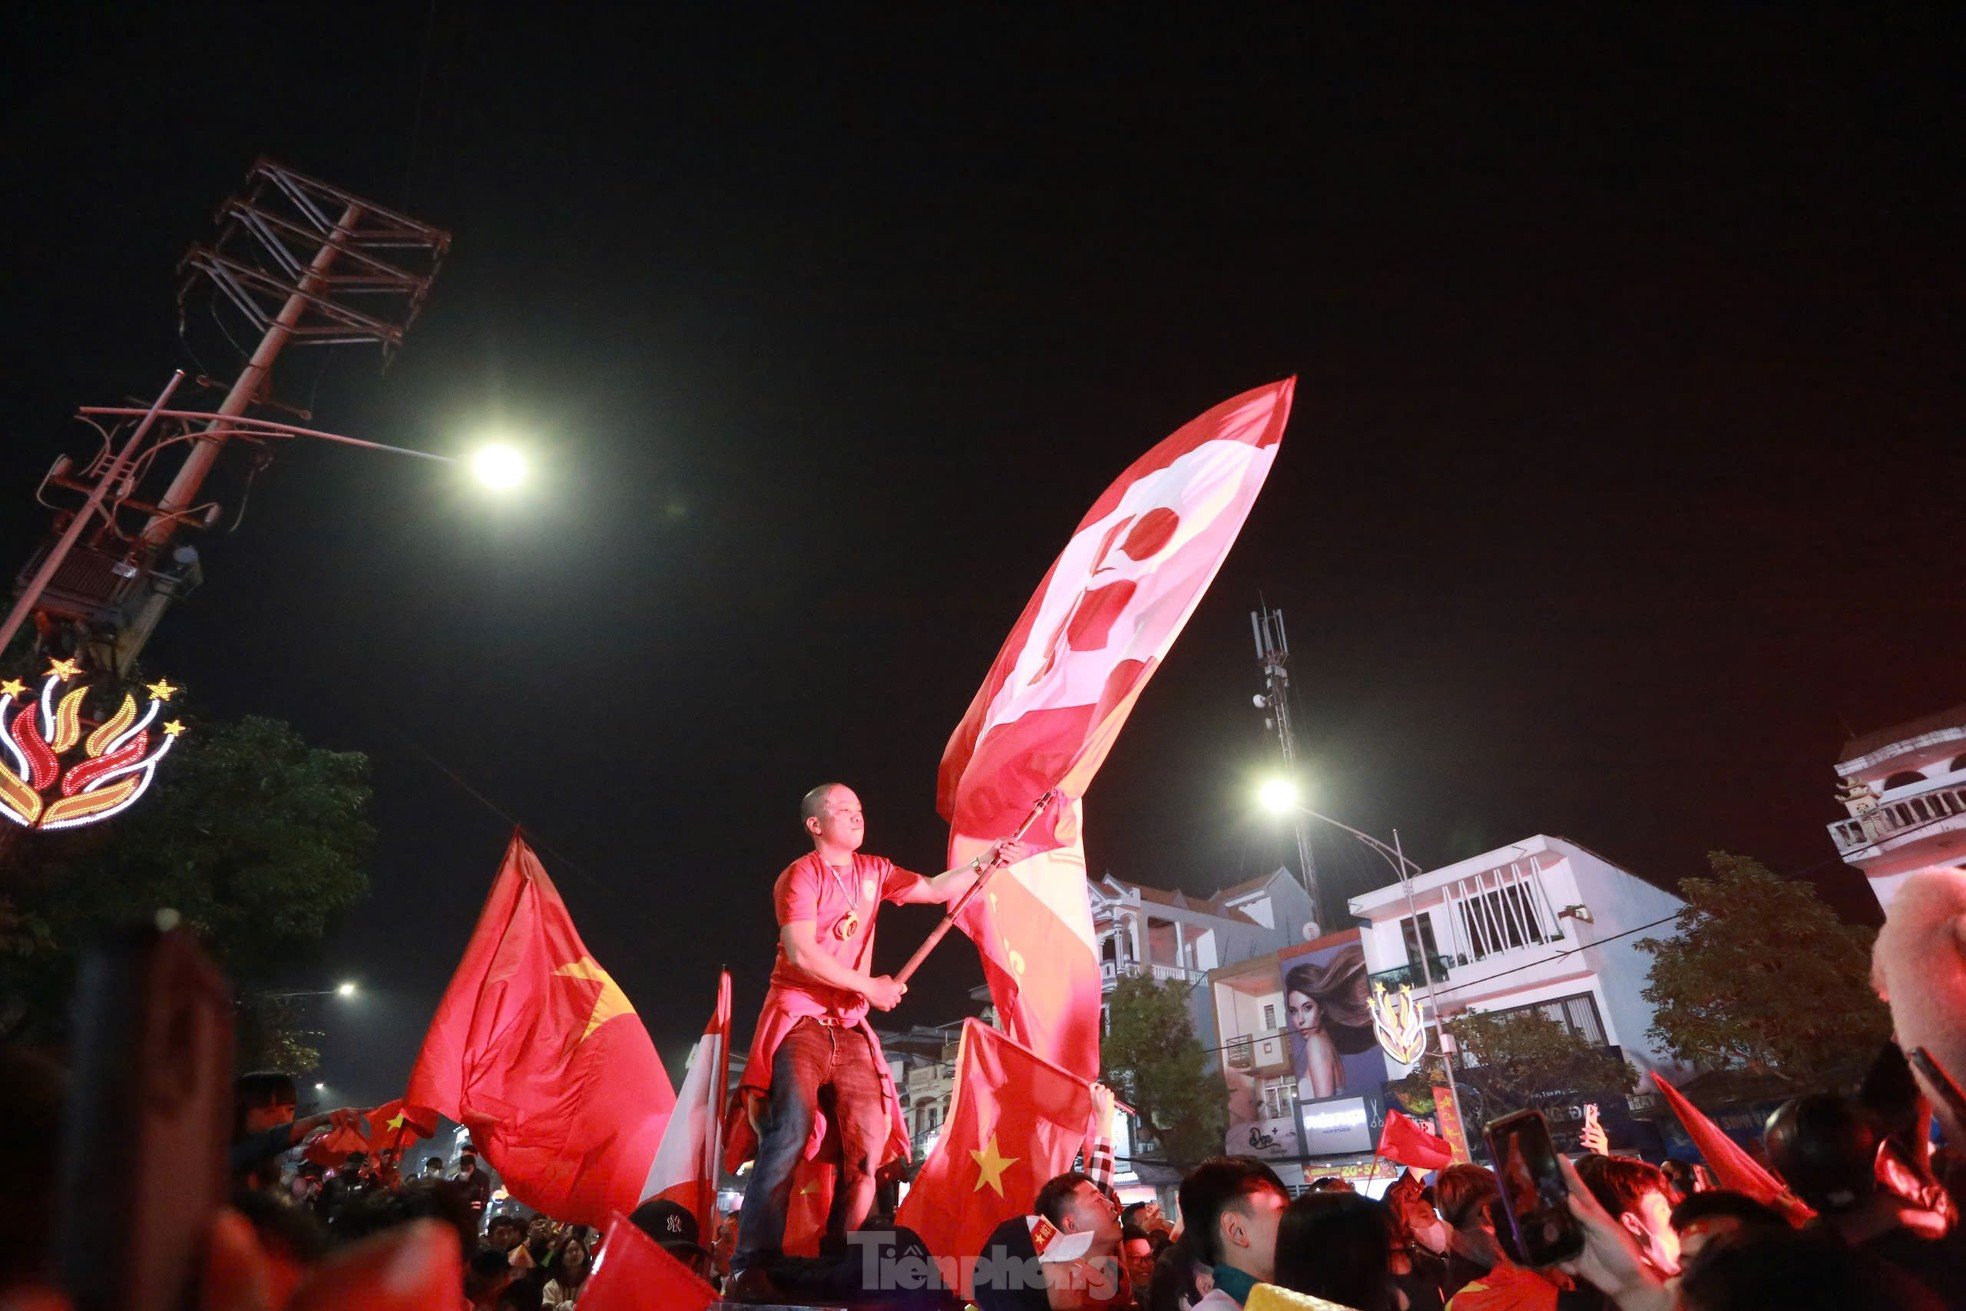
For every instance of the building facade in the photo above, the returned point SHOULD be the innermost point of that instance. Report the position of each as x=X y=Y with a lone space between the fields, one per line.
x=1905 y=789
x=1544 y=925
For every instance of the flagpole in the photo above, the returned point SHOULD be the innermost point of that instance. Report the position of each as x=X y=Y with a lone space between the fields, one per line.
x=941 y=930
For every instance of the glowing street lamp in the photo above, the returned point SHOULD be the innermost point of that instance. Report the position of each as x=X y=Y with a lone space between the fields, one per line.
x=499 y=467
x=1279 y=795
x=345 y=990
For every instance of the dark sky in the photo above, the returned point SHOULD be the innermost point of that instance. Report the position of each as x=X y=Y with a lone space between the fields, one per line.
x=1623 y=482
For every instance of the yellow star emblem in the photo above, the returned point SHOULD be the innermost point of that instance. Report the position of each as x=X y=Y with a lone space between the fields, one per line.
x=395 y=1121
x=611 y=1001
x=173 y=728
x=990 y=1165
x=64 y=669
x=161 y=690
x=12 y=687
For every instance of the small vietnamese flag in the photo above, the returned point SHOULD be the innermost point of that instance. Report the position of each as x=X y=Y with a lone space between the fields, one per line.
x=633 y=1273
x=1017 y=1120
x=1409 y=1142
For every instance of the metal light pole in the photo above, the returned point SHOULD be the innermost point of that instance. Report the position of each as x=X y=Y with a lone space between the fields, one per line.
x=1273 y=654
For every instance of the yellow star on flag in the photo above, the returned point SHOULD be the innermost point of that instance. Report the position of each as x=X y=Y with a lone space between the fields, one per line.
x=396 y=1121
x=611 y=1002
x=173 y=728
x=990 y=1165
x=12 y=687
x=161 y=690
x=64 y=669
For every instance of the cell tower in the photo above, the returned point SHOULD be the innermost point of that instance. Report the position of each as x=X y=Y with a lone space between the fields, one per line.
x=1273 y=654
x=300 y=263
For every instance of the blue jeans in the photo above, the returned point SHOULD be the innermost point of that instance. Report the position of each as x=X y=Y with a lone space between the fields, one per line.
x=815 y=1067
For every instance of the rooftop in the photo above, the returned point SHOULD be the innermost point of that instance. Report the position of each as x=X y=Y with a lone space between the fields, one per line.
x=1868 y=744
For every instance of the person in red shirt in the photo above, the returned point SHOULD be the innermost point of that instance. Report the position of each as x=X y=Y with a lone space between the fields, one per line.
x=813 y=1034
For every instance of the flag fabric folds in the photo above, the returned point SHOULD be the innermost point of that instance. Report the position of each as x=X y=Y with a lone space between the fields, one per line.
x=1016 y=1120
x=687 y=1160
x=540 y=1055
x=1407 y=1141
x=1731 y=1164
x=633 y=1273
x=1055 y=698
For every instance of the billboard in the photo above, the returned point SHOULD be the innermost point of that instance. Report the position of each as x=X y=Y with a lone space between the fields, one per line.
x=1300 y=1055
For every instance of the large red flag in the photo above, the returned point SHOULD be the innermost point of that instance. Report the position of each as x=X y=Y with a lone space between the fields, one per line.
x=633 y=1273
x=537 y=1051
x=1409 y=1142
x=686 y=1163
x=1729 y=1161
x=1061 y=687
x=1016 y=1121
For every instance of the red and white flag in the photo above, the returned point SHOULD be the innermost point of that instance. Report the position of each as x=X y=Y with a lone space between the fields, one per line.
x=686 y=1163
x=1061 y=687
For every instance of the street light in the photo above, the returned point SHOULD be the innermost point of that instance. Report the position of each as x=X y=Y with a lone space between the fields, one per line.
x=1279 y=796
x=499 y=466
x=345 y=990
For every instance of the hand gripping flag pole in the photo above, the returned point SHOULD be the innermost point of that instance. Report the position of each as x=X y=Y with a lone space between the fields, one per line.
x=983 y=876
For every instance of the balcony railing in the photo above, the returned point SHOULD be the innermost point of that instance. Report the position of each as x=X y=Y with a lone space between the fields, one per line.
x=1412 y=975
x=1895 y=818
x=1111 y=972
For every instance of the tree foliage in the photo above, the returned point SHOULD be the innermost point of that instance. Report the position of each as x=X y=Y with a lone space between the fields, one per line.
x=1514 y=1061
x=1155 y=1063
x=255 y=838
x=1761 y=980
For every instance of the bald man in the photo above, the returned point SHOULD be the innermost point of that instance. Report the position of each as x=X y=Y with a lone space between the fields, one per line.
x=813 y=1034
x=1919 y=968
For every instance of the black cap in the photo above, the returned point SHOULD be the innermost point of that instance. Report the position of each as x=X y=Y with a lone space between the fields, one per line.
x=668 y=1223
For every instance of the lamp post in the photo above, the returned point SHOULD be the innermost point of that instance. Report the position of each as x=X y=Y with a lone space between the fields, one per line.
x=1279 y=795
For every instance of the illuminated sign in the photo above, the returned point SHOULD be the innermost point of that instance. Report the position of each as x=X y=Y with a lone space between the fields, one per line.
x=1335 y=1126
x=1396 y=1022
x=54 y=777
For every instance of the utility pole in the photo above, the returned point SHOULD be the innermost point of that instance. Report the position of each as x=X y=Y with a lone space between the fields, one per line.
x=1273 y=654
x=300 y=262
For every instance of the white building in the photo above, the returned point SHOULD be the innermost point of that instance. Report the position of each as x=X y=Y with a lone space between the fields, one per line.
x=1542 y=924
x=1905 y=789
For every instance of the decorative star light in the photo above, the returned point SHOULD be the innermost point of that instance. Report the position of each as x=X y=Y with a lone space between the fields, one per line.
x=161 y=690
x=114 y=767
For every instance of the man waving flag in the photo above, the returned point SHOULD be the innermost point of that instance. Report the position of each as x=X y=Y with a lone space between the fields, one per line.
x=1061 y=687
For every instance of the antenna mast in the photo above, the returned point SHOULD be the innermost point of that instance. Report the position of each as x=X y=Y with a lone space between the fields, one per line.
x=1273 y=654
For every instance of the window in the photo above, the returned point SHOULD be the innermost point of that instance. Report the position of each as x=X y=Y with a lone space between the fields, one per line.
x=1276 y=1096
x=1904 y=778
x=1501 y=919
x=1269 y=1015
x=1415 y=941
x=1577 y=1014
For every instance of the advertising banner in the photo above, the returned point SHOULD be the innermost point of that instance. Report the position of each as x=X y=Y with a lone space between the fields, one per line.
x=1327 y=1011
x=1449 y=1114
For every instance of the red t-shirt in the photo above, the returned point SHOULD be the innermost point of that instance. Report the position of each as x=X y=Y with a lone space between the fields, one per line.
x=809 y=889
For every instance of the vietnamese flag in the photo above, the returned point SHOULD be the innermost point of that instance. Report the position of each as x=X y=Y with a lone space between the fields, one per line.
x=633 y=1273
x=391 y=1125
x=686 y=1163
x=1731 y=1164
x=1016 y=1120
x=1407 y=1141
x=1053 y=702
x=537 y=1051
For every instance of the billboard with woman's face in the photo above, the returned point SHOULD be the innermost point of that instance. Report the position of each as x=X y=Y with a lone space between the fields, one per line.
x=1327 y=1011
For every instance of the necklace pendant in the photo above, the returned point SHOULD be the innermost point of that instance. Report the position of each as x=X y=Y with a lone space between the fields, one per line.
x=847 y=927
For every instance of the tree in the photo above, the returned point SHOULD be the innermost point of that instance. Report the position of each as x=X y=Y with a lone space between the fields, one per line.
x=255 y=838
x=1155 y=1064
x=1525 y=1059
x=1762 y=981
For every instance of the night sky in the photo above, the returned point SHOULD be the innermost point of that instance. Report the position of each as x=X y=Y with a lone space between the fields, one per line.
x=1623 y=483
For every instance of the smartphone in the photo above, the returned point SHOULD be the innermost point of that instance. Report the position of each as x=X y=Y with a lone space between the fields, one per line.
x=1535 y=1207
x=143 y=1160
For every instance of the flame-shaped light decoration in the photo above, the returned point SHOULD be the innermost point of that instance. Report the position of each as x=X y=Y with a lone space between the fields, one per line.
x=1397 y=1022
x=115 y=764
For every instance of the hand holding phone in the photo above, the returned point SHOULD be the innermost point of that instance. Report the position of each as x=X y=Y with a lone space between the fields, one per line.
x=1540 y=1230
